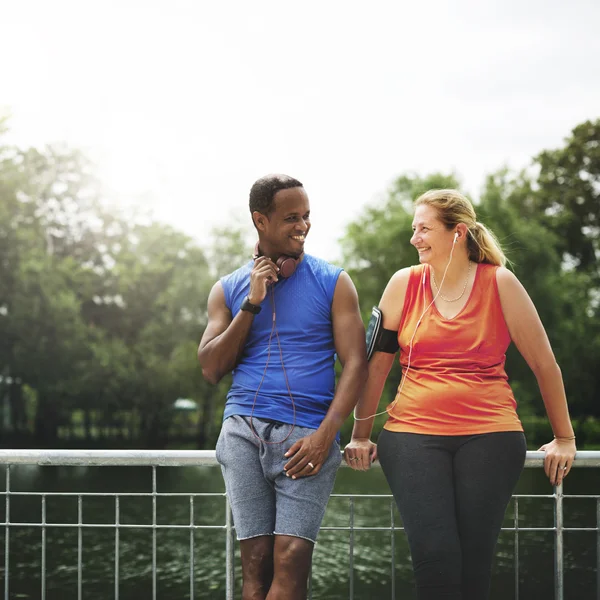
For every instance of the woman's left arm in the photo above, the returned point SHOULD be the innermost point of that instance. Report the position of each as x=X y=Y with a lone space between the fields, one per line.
x=528 y=334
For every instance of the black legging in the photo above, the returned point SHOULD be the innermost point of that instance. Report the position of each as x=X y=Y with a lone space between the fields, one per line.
x=452 y=492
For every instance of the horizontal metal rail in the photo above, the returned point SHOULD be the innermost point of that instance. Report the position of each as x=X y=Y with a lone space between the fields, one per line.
x=182 y=458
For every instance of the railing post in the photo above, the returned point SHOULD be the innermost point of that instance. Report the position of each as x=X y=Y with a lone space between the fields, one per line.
x=192 y=548
x=154 y=532
x=558 y=545
x=43 y=590
x=117 y=545
x=7 y=534
x=229 y=552
x=351 y=557
x=79 y=547
x=598 y=548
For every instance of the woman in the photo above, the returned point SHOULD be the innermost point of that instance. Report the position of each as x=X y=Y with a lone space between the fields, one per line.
x=453 y=446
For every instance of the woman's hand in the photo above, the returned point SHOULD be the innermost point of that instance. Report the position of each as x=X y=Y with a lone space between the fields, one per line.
x=360 y=453
x=559 y=459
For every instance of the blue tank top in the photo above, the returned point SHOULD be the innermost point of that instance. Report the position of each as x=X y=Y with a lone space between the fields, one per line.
x=303 y=320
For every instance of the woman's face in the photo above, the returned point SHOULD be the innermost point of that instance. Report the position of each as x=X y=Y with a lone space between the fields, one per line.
x=430 y=237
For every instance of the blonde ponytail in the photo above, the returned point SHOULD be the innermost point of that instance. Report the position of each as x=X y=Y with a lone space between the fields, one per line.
x=483 y=246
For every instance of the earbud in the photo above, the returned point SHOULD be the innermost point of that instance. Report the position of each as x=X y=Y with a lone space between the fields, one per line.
x=455 y=237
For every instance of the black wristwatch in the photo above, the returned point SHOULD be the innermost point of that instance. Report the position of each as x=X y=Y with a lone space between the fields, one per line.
x=247 y=305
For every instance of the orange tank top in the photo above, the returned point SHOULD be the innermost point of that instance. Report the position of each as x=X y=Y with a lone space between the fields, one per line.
x=456 y=384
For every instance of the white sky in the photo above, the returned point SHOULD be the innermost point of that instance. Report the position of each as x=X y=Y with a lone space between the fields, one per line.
x=183 y=104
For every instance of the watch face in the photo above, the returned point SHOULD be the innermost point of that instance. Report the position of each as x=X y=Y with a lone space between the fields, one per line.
x=246 y=305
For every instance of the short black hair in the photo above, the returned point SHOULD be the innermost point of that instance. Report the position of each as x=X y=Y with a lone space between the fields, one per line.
x=263 y=191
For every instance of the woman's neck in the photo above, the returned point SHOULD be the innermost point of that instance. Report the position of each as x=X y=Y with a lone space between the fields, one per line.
x=456 y=274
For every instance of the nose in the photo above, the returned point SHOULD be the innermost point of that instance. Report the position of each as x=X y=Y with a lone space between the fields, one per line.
x=413 y=238
x=303 y=226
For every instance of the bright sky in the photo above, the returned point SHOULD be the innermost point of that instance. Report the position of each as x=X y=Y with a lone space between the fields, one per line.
x=183 y=104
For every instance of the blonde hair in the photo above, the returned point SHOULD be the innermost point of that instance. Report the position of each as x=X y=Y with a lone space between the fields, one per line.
x=453 y=208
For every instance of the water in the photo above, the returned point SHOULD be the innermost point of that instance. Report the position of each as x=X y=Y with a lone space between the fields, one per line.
x=372 y=561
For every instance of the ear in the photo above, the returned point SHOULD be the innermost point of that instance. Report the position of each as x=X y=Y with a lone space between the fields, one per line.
x=461 y=232
x=260 y=220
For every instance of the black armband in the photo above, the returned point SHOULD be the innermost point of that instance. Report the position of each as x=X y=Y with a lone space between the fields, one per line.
x=378 y=338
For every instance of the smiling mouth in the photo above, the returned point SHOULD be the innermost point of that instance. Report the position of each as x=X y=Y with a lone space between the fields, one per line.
x=298 y=238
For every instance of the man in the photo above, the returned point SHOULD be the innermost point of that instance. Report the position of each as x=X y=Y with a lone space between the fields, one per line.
x=278 y=323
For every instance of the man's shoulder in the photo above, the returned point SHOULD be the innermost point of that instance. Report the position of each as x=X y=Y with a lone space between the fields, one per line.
x=321 y=263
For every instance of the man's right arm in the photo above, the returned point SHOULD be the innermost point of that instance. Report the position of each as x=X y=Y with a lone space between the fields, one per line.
x=224 y=338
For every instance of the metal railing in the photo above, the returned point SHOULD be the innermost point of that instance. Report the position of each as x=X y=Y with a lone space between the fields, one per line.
x=175 y=458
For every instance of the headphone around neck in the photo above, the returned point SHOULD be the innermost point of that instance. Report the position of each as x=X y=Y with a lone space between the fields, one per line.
x=287 y=264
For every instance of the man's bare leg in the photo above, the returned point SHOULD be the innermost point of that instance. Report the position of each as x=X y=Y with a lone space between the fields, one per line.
x=257 y=567
x=291 y=559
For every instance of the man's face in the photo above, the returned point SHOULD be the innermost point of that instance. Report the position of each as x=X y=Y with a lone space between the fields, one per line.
x=285 y=229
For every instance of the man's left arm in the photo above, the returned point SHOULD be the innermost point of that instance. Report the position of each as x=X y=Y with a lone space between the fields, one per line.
x=350 y=346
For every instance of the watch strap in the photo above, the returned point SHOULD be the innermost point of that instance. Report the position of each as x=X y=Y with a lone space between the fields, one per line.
x=248 y=306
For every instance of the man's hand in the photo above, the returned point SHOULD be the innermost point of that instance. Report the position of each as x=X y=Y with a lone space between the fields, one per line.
x=307 y=455
x=263 y=273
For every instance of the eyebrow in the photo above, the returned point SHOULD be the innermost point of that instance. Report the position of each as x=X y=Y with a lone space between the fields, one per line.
x=293 y=214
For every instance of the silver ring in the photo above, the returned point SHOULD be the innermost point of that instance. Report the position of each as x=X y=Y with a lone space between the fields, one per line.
x=311 y=465
x=356 y=458
x=564 y=468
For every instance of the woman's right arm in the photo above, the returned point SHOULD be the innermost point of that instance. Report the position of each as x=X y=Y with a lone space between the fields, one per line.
x=361 y=452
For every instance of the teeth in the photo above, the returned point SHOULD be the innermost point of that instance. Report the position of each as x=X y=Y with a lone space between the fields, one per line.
x=300 y=238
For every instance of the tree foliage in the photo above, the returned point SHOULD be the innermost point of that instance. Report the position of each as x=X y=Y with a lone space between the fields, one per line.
x=101 y=312
x=98 y=312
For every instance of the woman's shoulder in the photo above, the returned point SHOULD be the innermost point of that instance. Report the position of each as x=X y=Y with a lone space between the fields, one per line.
x=502 y=279
x=506 y=280
x=412 y=271
x=492 y=272
x=400 y=281
x=403 y=276
x=394 y=297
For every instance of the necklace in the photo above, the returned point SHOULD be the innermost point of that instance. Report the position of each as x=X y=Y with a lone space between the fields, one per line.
x=463 y=290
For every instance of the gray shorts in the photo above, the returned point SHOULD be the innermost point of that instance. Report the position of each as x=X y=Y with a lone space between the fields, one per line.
x=264 y=501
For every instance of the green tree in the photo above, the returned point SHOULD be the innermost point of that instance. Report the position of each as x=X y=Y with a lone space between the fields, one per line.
x=568 y=196
x=42 y=334
x=96 y=307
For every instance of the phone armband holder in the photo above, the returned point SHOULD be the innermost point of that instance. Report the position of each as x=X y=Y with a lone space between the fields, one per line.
x=378 y=338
